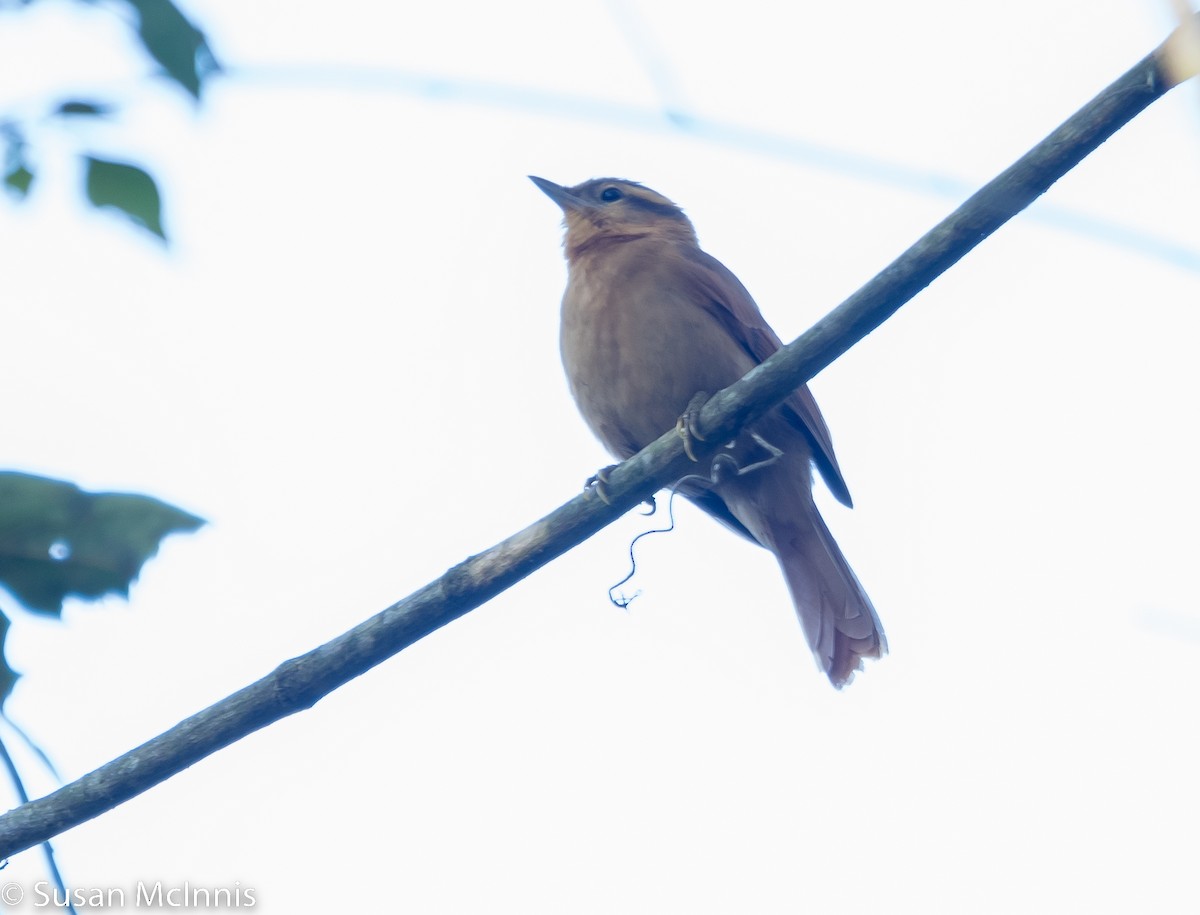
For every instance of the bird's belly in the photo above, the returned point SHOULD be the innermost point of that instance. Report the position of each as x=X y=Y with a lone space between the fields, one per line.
x=633 y=370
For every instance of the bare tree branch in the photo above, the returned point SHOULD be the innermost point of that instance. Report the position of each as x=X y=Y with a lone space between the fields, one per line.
x=298 y=684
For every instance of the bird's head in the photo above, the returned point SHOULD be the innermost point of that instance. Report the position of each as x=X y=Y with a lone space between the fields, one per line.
x=605 y=210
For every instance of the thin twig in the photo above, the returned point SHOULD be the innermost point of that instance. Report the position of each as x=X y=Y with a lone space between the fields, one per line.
x=14 y=774
x=297 y=684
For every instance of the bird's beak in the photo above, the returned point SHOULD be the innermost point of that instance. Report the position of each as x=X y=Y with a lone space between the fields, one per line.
x=560 y=195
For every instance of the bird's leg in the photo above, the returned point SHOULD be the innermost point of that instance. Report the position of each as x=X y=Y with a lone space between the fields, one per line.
x=773 y=455
x=688 y=425
x=598 y=481
x=726 y=461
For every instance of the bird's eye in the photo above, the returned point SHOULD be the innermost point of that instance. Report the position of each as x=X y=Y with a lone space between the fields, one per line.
x=609 y=194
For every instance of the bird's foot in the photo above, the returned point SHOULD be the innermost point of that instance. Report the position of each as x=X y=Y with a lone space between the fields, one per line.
x=688 y=425
x=773 y=455
x=598 y=482
x=724 y=465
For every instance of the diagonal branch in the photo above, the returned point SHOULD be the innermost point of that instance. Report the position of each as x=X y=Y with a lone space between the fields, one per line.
x=298 y=684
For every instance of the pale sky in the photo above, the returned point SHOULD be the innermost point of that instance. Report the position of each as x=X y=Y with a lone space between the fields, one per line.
x=347 y=361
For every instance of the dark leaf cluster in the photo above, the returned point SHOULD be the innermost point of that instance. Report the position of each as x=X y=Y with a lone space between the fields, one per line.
x=181 y=53
x=58 y=541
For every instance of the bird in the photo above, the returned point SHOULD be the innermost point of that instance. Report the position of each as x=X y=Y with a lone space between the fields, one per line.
x=651 y=325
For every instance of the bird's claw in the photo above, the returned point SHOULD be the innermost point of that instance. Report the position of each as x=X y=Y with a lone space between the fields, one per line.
x=688 y=424
x=598 y=481
x=725 y=466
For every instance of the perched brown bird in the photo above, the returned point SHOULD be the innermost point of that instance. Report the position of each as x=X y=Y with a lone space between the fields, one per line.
x=648 y=322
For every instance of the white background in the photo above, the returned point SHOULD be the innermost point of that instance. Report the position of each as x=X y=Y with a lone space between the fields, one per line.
x=347 y=361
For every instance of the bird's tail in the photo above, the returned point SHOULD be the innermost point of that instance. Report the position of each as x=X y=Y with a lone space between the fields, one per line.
x=838 y=618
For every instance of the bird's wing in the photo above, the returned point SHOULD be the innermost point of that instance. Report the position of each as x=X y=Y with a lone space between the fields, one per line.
x=732 y=304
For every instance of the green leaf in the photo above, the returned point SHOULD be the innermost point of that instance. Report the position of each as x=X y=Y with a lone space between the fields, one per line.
x=17 y=176
x=175 y=43
x=18 y=180
x=57 y=540
x=127 y=188
x=78 y=107
x=8 y=676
